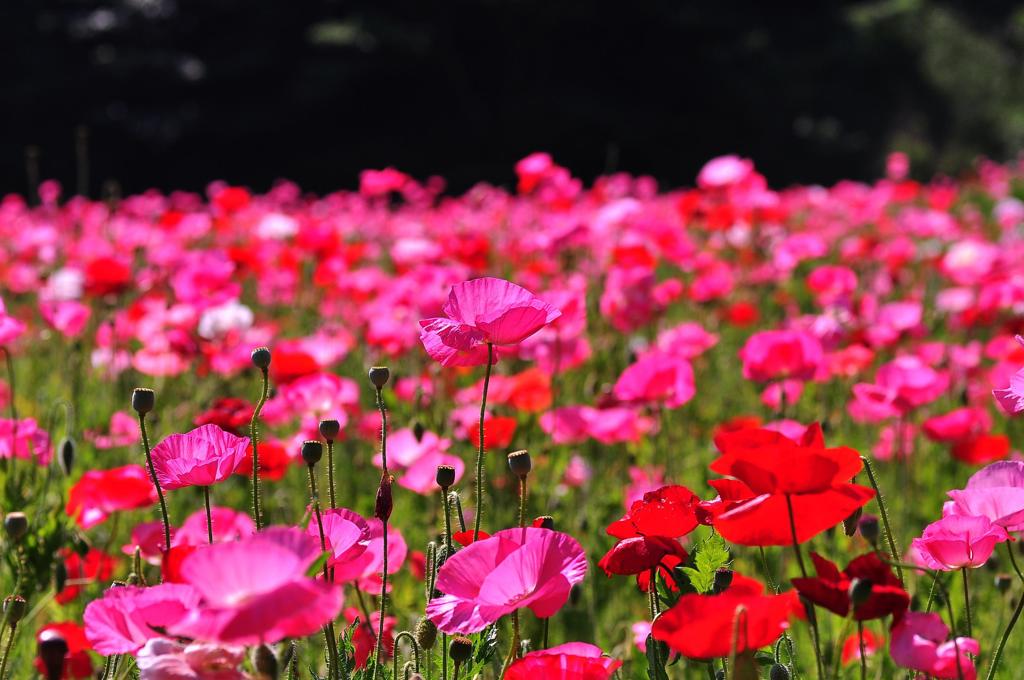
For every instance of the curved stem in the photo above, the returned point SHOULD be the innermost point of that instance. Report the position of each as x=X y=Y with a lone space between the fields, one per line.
x=1013 y=561
x=895 y=553
x=254 y=436
x=967 y=601
x=156 y=482
x=209 y=515
x=415 y=652
x=998 y=654
x=480 y=451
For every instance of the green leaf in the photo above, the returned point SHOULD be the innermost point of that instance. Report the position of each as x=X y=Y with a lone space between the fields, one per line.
x=709 y=556
x=655 y=667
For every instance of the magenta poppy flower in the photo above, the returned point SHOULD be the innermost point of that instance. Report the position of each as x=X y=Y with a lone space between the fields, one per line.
x=10 y=328
x=363 y=567
x=771 y=355
x=514 y=568
x=659 y=378
x=162 y=659
x=228 y=525
x=126 y=617
x=203 y=457
x=996 y=492
x=480 y=312
x=1011 y=398
x=920 y=642
x=256 y=590
x=346 y=534
x=571 y=661
x=957 y=541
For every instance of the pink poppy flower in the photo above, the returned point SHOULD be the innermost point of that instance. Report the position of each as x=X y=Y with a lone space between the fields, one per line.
x=957 y=541
x=205 y=456
x=656 y=377
x=148 y=537
x=959 y=424
x=364 y=568
x=417 y=460
x=228 y=525
x=29 y=441
x=162 y=659
x=126 y=617
x=123 y=431
x=724 y=171
x=920 y=642
x=480 y=312
x=514 y=568
x=996 y=492
x=576 y=424
x=1011 y=398
x=10 y=328
x=687 y=340
x=67 y=317
x=571 y=661
x=770 y=355
x=346 y=534
x=256 y=590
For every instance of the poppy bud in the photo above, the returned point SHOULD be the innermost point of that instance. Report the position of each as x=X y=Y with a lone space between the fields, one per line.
x=779 y=672
x=67 y=455
x=51 y=649
x=330 y=429
x=850 y=523
x=545 y=522
x=418 y=431
x=385 y=504
x=425 y=633
x=445 y=476
x=312 y=452
x=519 y=463
x=265 y=662
x=860 y=591
x=261 y=358
x=143 y=400
x=868 y=526
x=379 y=376
x=460 y=649
x=14 y=608
x=723 y=579
x=133 y=579
x=1003 y=582
x=16 y=526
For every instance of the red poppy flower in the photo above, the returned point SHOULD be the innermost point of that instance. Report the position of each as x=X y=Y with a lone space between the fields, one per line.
x=231 y=199
x=831 y=588
x=498 y=431
x=77 y=663
x=170 y=564
x=571 y=661
x=982 y=449
x=774 y=477
x=289 y=365
x=99 y=493
x=107 y=276
x=96 y=566
x=229 y=413
x=669 y=511
x=464 y=538
x=665 y=567
x=635 y=555
x=274 y=461
x=851 y=646
x=740 y=619
x=530 y=391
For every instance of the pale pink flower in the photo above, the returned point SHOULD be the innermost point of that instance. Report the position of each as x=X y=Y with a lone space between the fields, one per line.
x=724 y=171
x=228 y=525
x=996 y=492
x=68 y=317
x=162 y=659
x=123 y=431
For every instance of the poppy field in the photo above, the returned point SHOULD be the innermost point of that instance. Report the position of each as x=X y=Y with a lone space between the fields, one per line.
x=546 y=432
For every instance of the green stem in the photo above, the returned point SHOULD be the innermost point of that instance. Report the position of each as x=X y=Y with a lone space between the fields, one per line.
x=815 y=634
x=254 y=436
x=209 y=515
x=7 y=651
x=895 y=553
x=1009 y=625
x=545 y=624
x=331 y=638
x=1013 y=561
x=384 y=542
x=415 y=652
x=156 y=482
x=522 y=502
x=967 y=601
x=480 y=451
x=330 y=472
x=863 y=651
x=447 y=525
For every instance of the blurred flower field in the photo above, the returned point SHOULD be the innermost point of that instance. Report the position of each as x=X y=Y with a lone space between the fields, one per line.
x=629 y=431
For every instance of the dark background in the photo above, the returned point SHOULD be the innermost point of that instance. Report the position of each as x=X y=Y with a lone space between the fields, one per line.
x=175 y=93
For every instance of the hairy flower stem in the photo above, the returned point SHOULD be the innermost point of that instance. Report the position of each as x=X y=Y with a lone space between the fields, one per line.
x=156 y=482
x=522 y=502
x=863 y=651
x=444 y=656
x=209 y=515
x=480 y=451
x=330 y=473
x=384 y=538
x=415 y=651
x=331 y=638
x=254 y=436
x=893 y=550
x=447 y=526
x=998 y=654
x=815 y=633
x=7 y=650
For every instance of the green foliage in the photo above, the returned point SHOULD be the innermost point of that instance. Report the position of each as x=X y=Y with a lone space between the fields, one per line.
x=709 y=556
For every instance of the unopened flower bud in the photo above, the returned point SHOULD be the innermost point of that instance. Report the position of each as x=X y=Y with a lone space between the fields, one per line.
x=723 y=579
x=545 y=522
x=133 y=579
x=860 y=591
x=379 y=376
x=261 y=358
x=143 y=400
x=385 y=504
x=330 y=429
x=850 y=523
x=445 y=476
x=868 y=526
x=461 y=649
x=14 y=608
x=779 y=672
x=425 y=633
x=66 y=455
x=312 y=451
x=265 y=662
x=418 y=431
x=1003 y=582
x=520 y=464
x=51 y=650
x=16 y=526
